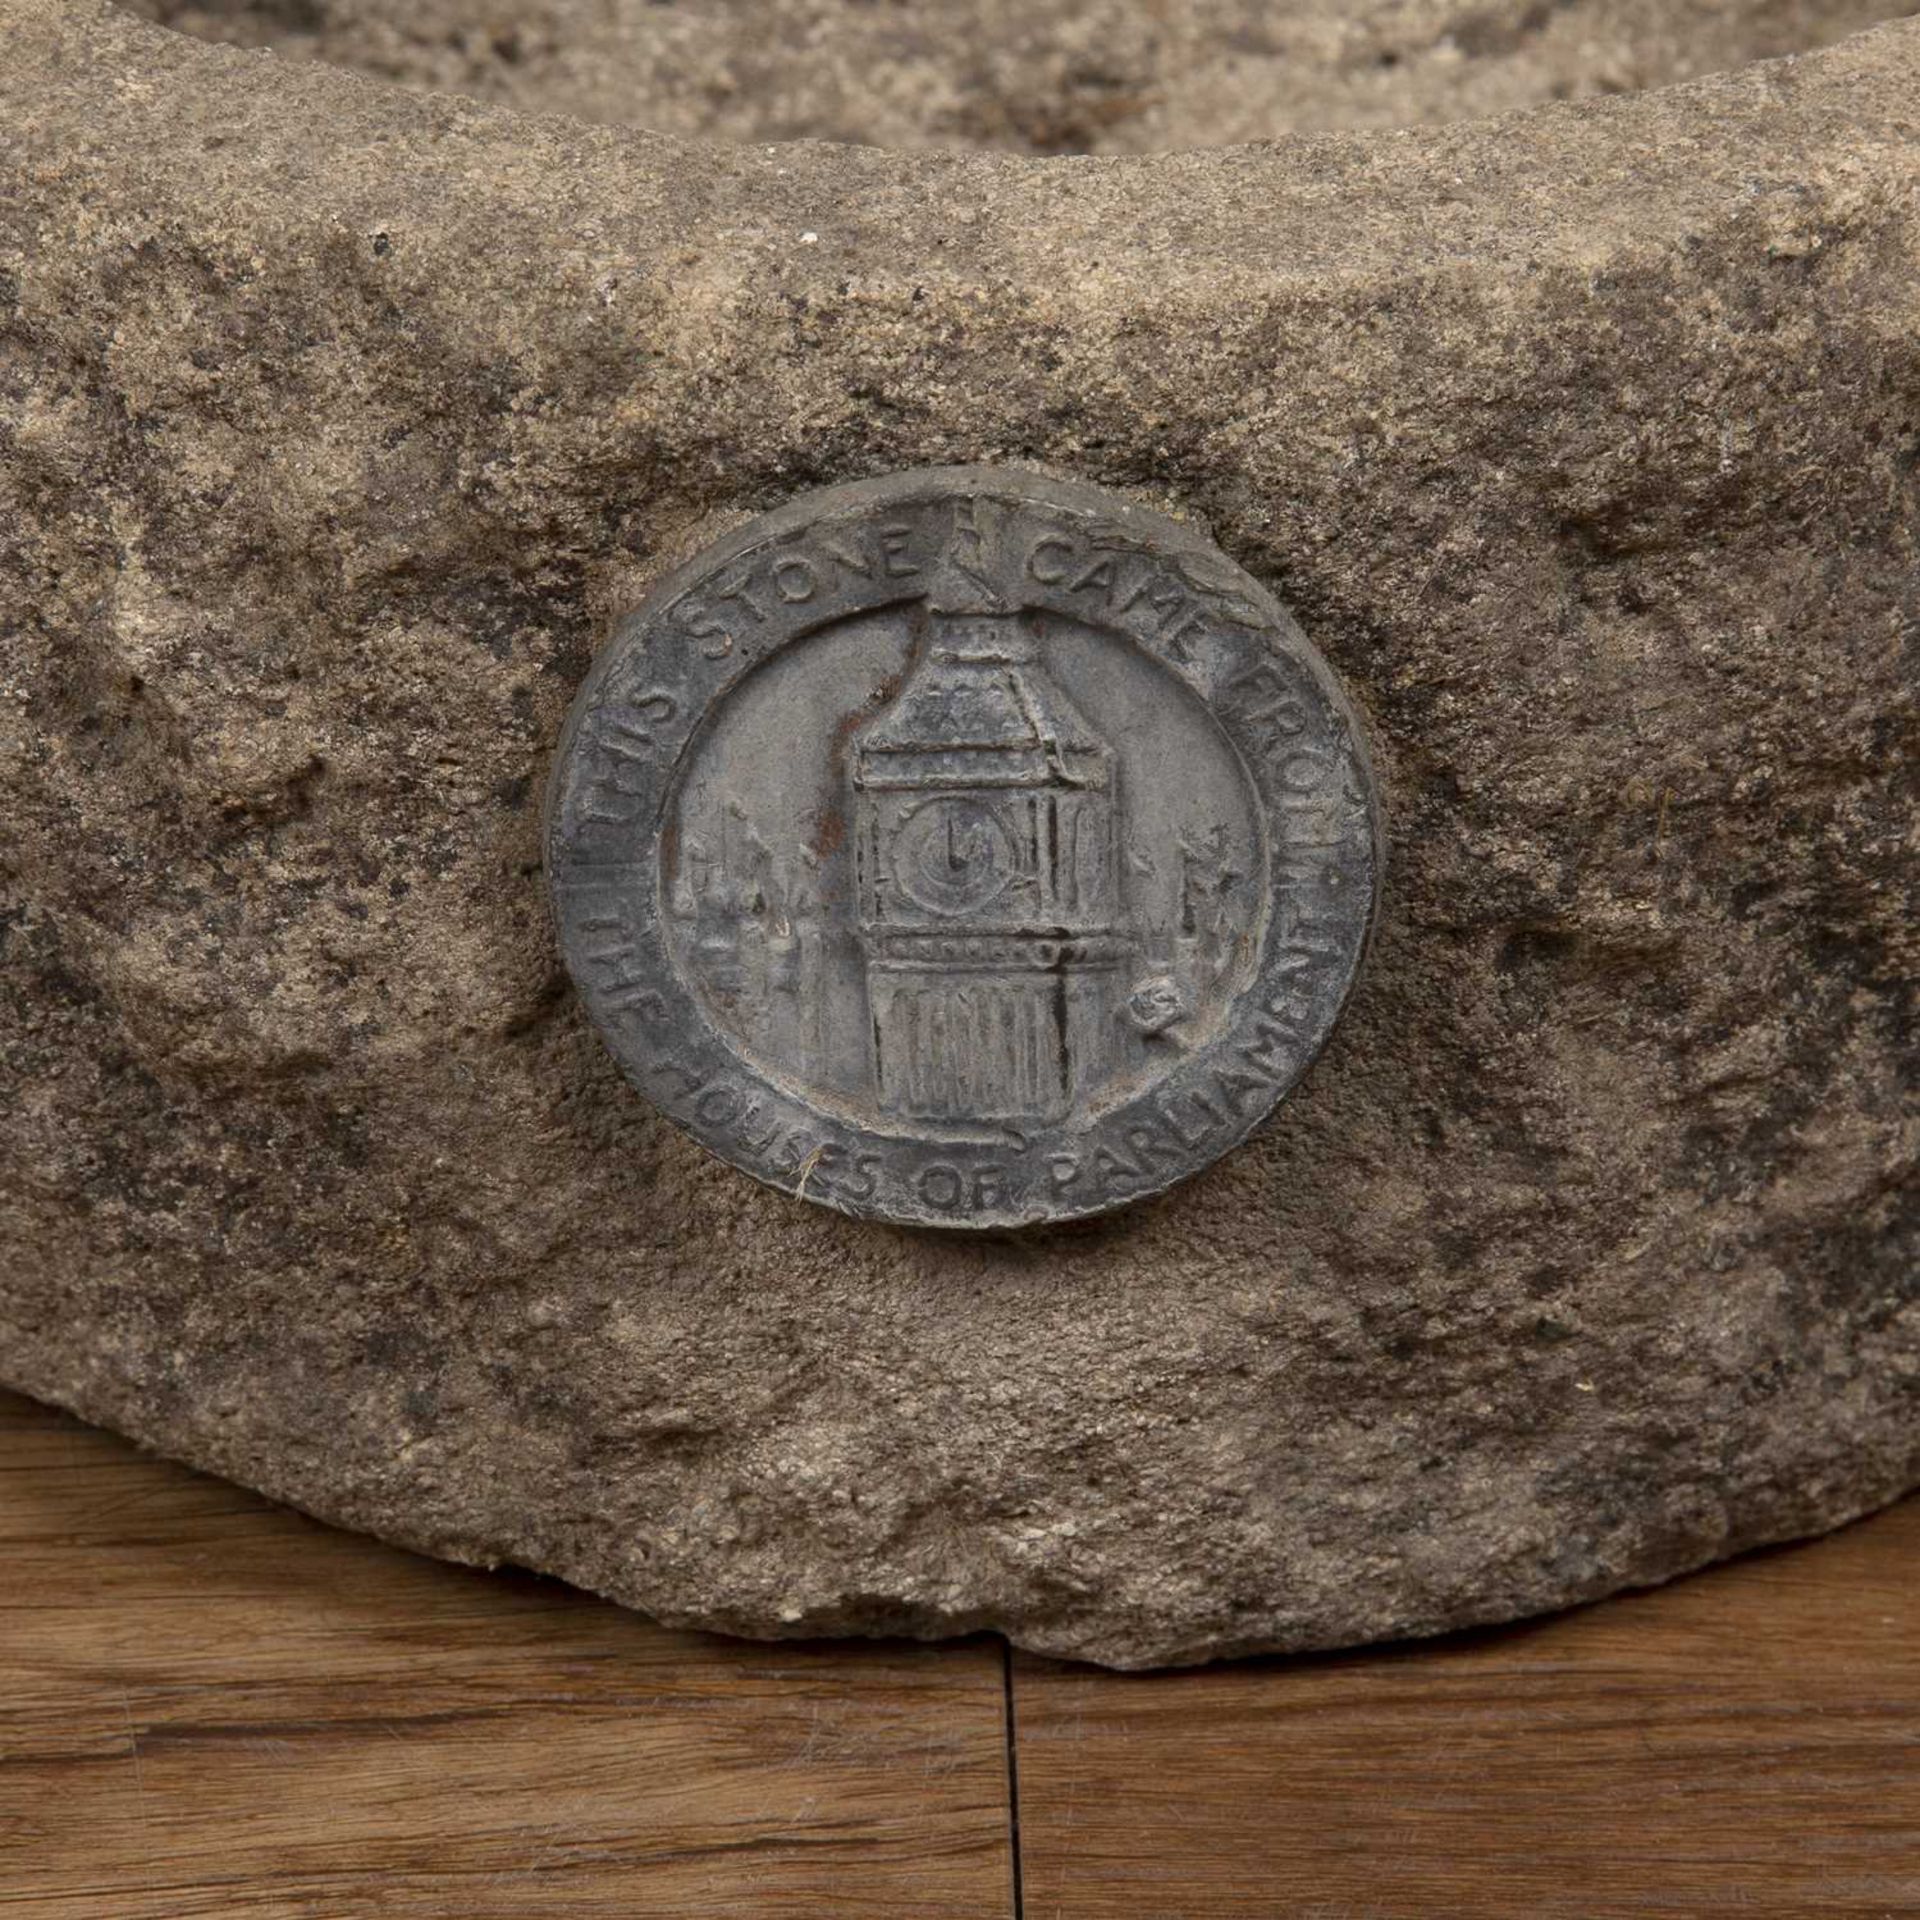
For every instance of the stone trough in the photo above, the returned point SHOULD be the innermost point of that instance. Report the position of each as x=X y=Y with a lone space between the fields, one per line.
x=1580 y=427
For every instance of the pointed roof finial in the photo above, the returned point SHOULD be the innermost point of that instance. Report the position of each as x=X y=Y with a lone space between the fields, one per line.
x=960 y=584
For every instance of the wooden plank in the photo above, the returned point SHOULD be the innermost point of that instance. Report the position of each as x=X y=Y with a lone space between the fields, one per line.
x=212 y=1706
x=1746 y=1741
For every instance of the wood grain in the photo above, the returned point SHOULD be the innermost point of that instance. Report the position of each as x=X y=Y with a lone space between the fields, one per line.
x=212 y=1706
x=1746 y=1742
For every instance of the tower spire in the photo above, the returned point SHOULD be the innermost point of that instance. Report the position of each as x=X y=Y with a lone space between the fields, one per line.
x=969 y=617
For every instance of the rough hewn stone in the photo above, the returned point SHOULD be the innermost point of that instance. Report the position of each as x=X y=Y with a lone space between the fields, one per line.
x=335 y=422
x=1105 y=76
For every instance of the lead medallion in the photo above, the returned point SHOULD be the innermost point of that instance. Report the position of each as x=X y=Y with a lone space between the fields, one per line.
x=963 y=848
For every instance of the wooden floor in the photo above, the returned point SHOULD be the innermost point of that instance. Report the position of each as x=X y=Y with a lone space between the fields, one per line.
x=210 y=1706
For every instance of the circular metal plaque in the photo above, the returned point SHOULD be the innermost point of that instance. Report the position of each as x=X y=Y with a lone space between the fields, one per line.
x=963 y=848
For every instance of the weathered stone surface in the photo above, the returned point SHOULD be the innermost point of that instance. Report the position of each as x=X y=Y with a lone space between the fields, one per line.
x=338 y=420
x=1103 y=76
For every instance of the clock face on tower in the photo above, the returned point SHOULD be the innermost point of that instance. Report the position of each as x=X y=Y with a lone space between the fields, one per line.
x=963 y=847
x=953 y=855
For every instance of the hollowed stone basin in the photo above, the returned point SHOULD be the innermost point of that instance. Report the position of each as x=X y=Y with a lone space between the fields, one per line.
x=338 y=420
